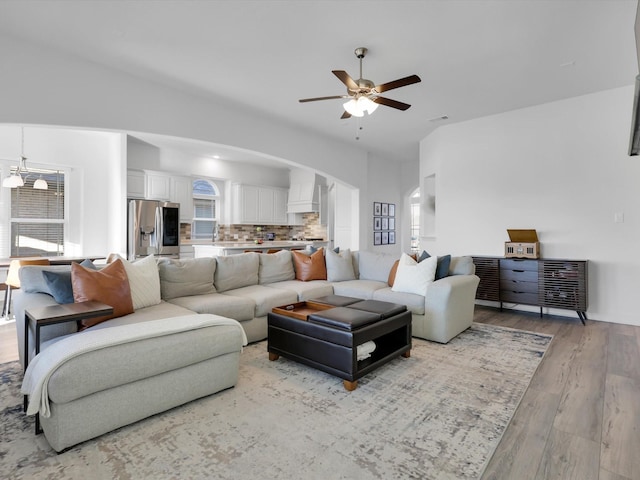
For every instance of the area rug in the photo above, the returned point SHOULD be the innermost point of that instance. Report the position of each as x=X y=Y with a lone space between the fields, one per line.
x=436 y=415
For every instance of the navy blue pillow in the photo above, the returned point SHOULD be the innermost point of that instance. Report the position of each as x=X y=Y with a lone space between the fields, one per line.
x=59 y=283
x=313 y=249
x=442 y=270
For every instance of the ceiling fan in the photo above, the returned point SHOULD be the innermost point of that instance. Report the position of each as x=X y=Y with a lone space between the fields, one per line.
x=364 y=94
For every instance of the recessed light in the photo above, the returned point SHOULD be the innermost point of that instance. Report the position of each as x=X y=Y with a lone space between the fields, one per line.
x=217 y=157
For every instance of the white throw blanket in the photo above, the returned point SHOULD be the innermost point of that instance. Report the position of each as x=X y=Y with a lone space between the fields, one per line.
x=365 y=350
x=40 y=369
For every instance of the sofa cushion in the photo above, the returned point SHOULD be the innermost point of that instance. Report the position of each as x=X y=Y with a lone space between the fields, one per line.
x=109 y=286
x=375 y=266
x=238 y=308
x=305 y=290
x=265 y=298
x=358 y=288
x=414 y=303
x=147 y=314
x=275 y=267
x=236 y=271
x=190 y=276
x=309 y=267
x=414 y=277
x=339 y=266
x=144 y=281
x=462 y=266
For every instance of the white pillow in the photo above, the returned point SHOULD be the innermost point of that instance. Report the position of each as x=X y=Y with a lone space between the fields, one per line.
x=144 y=281
x=414 y=277
x=339 y=266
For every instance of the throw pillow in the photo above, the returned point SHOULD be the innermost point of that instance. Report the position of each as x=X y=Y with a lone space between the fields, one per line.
x=144 y=281
x=310 y=267
x=313 y=249
x=414 y=277
x=236 y=271
x=394 y=270
x=109 y=286
x=442 y=269
x=59 y=283
x=339 y=266
x=190 y=276
x=276 y=267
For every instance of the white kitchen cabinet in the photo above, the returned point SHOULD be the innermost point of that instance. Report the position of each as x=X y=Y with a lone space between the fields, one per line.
x=280 y=206
x=182 y=193
x=158 y=186
x=136 y=184
x=259 y=205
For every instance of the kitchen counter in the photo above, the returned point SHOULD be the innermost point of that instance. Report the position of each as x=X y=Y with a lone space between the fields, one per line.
x=210 y=249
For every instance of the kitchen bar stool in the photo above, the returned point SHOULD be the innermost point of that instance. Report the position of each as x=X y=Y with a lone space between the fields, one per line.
x=13 y=280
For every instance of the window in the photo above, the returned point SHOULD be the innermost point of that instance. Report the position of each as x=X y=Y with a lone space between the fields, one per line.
x=206 y=202
x=37 y=216
x=415 y=221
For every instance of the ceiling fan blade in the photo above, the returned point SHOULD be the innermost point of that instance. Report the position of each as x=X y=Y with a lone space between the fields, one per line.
x=401 y=82
x=346 y=79
x=345 y=115
x=302 y=100
x=391 y=103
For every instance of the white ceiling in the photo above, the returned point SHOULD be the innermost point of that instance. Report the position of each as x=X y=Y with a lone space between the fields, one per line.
x=475 y=57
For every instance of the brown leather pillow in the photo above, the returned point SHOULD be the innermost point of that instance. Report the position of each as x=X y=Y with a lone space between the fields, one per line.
x=394 y=270
x=109 y=286
x=310 y=267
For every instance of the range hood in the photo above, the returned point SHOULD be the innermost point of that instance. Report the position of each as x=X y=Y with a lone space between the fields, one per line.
x=304 y=192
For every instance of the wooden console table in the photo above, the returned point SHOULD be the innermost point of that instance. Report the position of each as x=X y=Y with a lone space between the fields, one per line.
x=543 y=282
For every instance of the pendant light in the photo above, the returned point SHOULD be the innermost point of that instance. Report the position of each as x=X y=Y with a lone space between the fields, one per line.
x=15 y=179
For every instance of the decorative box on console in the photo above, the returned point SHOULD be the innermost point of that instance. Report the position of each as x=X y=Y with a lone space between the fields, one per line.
x=523 y=244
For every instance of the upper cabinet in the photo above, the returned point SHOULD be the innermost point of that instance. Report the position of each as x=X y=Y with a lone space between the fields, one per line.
x=182 y=193
x=162 y=186
x=257 y=204
x=158 y=186
x=136 y=184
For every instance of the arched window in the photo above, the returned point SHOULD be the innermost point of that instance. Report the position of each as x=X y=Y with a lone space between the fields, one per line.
x=415 y=221
x=206 y=206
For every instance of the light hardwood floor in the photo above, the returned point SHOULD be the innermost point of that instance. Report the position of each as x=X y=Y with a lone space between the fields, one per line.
x=580 y=417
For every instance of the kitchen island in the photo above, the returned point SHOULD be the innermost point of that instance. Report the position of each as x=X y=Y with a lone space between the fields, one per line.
x=234 y=248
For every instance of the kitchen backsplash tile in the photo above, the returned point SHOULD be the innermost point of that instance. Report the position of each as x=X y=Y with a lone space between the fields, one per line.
x=310 y=229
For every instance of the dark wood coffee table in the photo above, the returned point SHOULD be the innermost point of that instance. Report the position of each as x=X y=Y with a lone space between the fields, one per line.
x=316 y=334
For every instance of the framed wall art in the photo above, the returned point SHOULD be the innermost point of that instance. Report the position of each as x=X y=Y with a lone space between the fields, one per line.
x=384 y=223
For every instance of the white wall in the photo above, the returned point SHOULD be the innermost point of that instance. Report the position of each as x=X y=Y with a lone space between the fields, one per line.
x=95 y=185
x=50 y=88
x=561 y=168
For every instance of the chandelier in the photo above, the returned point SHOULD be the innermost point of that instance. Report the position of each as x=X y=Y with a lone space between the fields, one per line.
x=16 y=179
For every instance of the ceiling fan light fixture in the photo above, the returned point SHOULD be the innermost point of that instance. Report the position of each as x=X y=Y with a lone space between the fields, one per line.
x=352 y=107
x=367 y=104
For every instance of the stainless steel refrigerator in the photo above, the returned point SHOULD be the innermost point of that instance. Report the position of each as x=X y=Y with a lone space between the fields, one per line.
x=153 y=229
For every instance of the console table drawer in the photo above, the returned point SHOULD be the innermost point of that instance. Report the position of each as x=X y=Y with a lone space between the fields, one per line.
x=519 y=275
x=515 y=286
x=519 y=264
x=519 y=297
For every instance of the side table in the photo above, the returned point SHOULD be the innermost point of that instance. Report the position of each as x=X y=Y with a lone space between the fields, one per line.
x=53 y=314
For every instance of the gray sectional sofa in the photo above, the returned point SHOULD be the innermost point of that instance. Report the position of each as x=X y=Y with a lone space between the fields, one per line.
x=241 y=287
